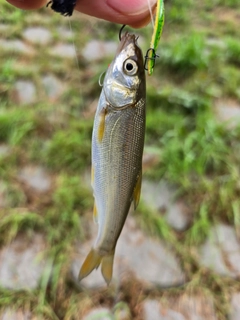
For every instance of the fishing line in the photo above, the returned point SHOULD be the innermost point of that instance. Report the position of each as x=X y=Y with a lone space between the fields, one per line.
x=73 y=43
x=151 y=13
x=82 y=108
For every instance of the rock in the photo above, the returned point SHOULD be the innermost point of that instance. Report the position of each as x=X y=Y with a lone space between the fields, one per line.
x=228 y=111
x=65 y=33
x=37 y=35
x=11 y=314
x=97 y=50
x=16 y=46
x=216 y=42
x=99 y=314
x=4 y=150
x=221 y=251
x=185 y=307
x=235 y=307
x=122 y=311
x=150 y=261
x=4 y=27
x=153 y=310
x=64 y=51
x=159 y=196
x=53 y=87
x=20 y=267
x=198 y=307
x=36 y=178
x=24 y=92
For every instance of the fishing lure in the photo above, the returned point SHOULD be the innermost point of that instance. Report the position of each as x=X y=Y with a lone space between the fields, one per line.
x=157 y=32
x=65 y=7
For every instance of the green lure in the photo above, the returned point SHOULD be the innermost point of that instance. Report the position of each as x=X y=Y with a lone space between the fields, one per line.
x=157 y=32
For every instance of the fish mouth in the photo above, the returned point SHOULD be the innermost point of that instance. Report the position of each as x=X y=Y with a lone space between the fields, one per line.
x=126 y=39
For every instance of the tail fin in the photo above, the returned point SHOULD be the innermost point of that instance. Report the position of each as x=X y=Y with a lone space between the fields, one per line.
x=93 y=260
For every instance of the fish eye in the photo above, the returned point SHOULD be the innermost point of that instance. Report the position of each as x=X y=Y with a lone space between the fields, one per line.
x=130 y=67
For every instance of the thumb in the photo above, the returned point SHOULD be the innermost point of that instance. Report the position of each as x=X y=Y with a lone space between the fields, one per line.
x=130 y=12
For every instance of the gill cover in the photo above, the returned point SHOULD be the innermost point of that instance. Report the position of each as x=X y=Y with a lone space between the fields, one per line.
x=122 y=79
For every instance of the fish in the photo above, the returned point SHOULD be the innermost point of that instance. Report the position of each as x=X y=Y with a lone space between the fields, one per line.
x=117 y=149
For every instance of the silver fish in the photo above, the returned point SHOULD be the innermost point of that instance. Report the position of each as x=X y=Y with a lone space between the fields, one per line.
x=117 y=148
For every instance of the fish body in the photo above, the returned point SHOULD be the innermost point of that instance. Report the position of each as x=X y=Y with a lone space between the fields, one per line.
x=117 y=148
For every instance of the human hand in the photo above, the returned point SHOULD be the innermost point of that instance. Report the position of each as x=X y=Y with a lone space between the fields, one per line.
x=131 y=12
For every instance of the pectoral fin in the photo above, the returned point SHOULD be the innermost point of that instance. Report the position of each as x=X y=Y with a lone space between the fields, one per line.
x=95 y=213
x=137 y=190
x=92 y=175
x=101 y=127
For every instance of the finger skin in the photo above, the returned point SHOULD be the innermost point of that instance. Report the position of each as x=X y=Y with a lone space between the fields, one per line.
x=28 y=4
x=134 y=12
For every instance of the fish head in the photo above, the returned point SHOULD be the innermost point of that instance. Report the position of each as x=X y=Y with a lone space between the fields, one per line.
x=125 y=76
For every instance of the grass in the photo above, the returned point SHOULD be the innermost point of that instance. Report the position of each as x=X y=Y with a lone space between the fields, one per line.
x=197 y=154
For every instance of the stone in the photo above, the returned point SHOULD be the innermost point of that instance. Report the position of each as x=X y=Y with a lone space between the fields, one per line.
x=36 y=178
x=185 y=307
x=97 y=50
x=16 y=46
x=122 y=311
x=160 y=197
x=53 y=87
x=62 y=50
x=228 y=111
x=221 y=251
x=235 y=307
x=153 y=310
x=198 y=307
x=4 y=27
x=65 y=33
x=37 y=35
x=10 y=314
x=4 y=150
x=20 y=264
x=24 y=92
x=216 y=42
x=99 y=314
x=137 y=255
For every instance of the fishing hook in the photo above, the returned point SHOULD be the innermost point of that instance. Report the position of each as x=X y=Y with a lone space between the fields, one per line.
x=120 y=32
x=150 y=55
